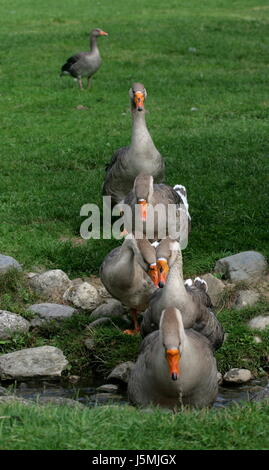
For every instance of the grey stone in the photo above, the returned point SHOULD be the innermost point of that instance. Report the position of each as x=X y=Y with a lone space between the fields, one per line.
x=246 y=298
x=247 y=266
x=50 y=311
x=261 y=395
x=215 y=287
x=50 y=284
x=259 y=323
x=121 y=372
x=43 y=361
x=13 y=399
x=237 y=376
x=36 y=322
x=105 y=396
x=59 y=401
x=219 y=378
x=108 y=388
x=11 y=323
x=84 y=296
x=7 y=263
x=99 y=322
x=257 y=339
x=89 y=343
x=111 y=309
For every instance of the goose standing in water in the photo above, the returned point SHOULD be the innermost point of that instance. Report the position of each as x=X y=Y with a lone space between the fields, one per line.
x=85 y=64
x=129 y=273
x=175 y=367
x=141 y=156
x=192 y=300
x=145 y=195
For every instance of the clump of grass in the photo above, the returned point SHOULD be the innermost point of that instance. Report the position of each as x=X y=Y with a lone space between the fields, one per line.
x=239 y=349
x=111 y=347
x=15 y=293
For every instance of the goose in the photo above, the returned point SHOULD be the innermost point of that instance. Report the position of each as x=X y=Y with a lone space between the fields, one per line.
x=146 y=195
x=85 y=64
x=191 y=298
x=141 y=156
x=175 y=367
x=129 y=273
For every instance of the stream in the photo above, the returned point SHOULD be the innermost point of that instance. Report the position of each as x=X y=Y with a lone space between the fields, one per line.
x=87 y=393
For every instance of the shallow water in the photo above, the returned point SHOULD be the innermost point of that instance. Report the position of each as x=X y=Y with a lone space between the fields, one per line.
x=86 y=391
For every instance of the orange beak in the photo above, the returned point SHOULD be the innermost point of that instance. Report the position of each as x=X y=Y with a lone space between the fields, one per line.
x=173 y=358
x=163 y=270
x=103 y=33
x=154 y=274
x=139 y=100
x=143 y=205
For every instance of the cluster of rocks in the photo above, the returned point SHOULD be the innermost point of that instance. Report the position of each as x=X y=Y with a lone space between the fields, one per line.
x=90 y=295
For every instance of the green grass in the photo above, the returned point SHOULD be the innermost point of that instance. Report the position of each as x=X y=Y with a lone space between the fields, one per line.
x=212 y=56
x=57 y=428
x=53 y=155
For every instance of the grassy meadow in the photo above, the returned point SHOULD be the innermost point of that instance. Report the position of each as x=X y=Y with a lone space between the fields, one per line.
x=205 y=67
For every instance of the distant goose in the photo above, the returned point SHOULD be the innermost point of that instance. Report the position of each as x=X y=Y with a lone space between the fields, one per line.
x=85 y=64
x=175 y=367
x=141 y=156
x=190 y=298
x=129 y=273
x=145 y=195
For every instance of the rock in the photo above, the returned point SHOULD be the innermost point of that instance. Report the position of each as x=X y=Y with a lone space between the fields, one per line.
x=111 y=309
x=50 y=284
x=59 y=401
x=11 y=323
x=237 y=376
x=259 y=323
x=49 y=311
x=84 y=296
x=89 y=343
x=99 y=322
x=261 y=395
x=7 y=263
x=219 y=378
x=246 y=298
x=215 y=287
x=73 y=379
x=12 y=398
x=247 y=266
x=105 y=396
x=257 y=339
x=36 y=322
x=43 y=361
x=108 y=388
x=121 y=372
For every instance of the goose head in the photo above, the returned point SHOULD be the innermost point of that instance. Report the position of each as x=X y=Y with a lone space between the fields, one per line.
x=143 y=190
x=166 y=254
x=138 y=95
x=98 y=32
x=145 y=255
x=172 y=338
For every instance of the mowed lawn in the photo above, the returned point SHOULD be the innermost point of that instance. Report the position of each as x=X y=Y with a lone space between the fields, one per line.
x=205 y=66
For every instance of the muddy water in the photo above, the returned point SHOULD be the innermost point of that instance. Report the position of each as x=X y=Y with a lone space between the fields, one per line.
x=86 y=392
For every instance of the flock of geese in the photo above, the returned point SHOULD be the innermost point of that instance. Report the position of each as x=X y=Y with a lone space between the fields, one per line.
x=176 y=364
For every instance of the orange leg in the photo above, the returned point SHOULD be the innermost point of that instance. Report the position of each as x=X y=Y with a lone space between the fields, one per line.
x=136 y=329
x=80 y=84
x=89 y=82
